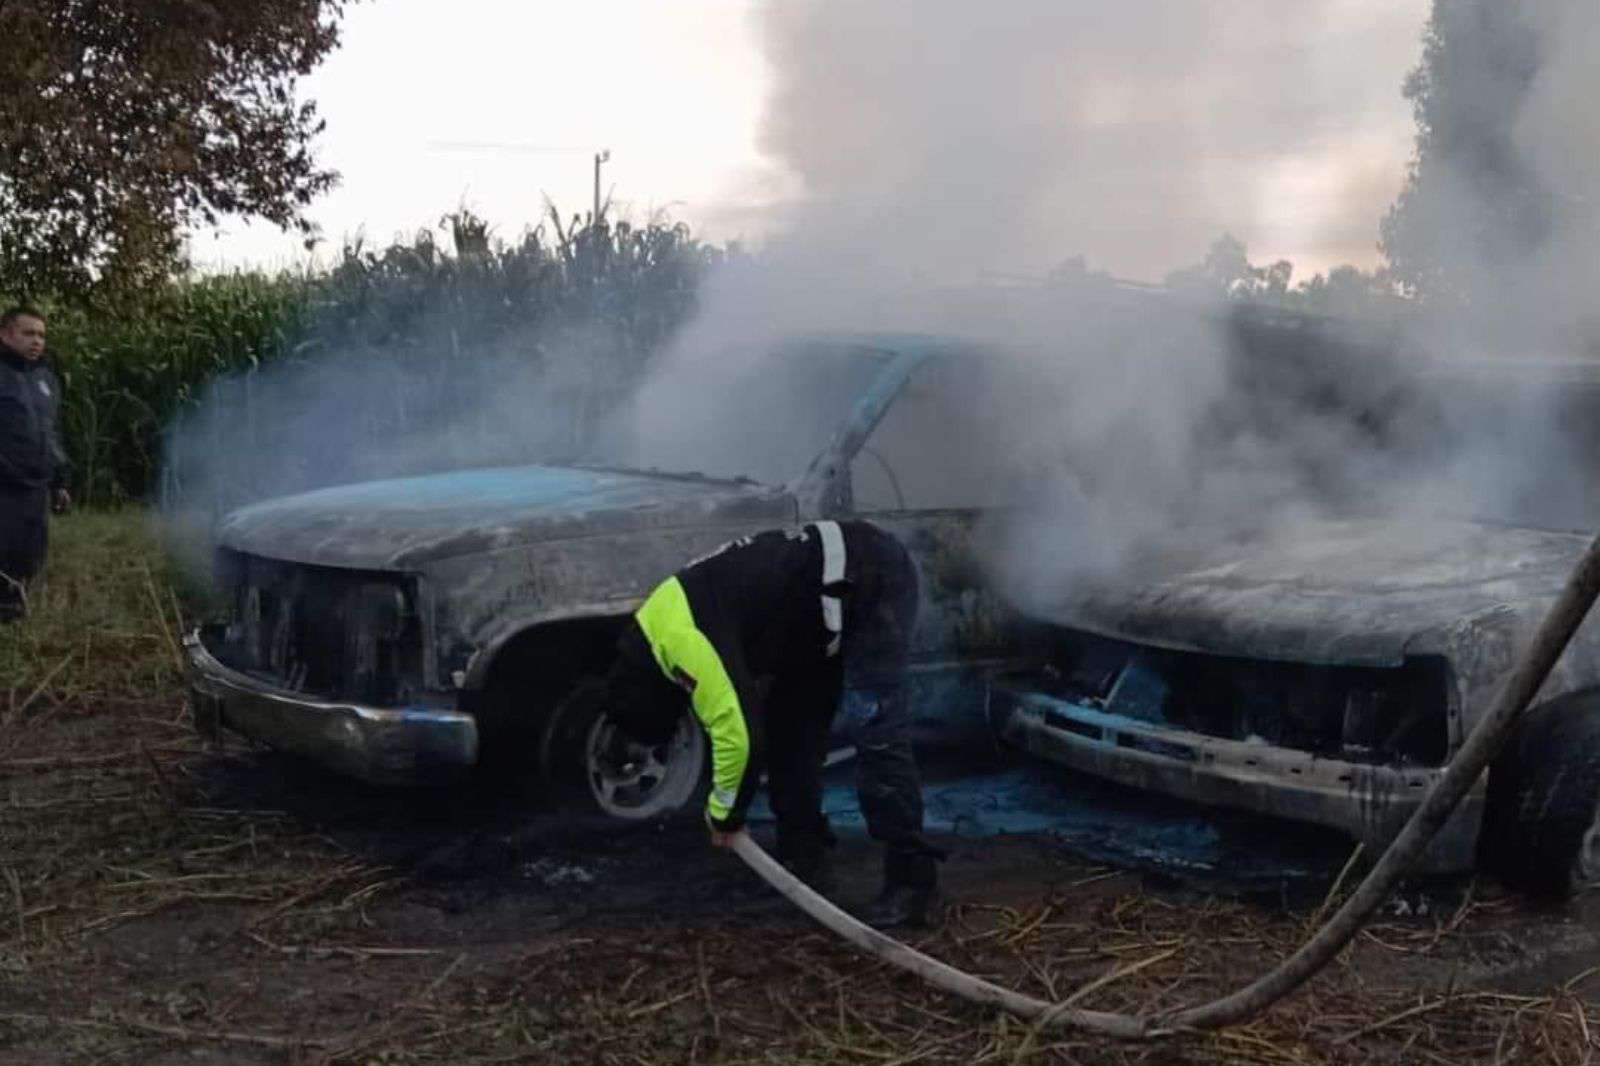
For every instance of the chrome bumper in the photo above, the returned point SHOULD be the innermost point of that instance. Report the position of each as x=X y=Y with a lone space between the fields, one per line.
x=384 y=745
x=1370 y=803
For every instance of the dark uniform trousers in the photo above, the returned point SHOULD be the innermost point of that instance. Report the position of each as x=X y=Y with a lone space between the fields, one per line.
x=31 y=464
x=24 y=535
x=864 y=685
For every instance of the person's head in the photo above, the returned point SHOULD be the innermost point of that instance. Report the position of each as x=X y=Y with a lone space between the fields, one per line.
x=639 y=698
x=22 y=330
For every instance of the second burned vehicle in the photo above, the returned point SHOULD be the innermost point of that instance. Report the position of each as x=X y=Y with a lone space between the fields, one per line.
x=1327 y=677
x=400 y=630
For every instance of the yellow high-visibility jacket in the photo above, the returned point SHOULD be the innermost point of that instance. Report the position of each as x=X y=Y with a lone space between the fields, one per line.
x=753 y=608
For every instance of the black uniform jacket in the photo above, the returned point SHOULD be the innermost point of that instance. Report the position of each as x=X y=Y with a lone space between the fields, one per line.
x=759 y=607
x=31 y=456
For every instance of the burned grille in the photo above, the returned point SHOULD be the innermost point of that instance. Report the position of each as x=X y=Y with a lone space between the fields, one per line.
x=1393 y=715
x=336 y=634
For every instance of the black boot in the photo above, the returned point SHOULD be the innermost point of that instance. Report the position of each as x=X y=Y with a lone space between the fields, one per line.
x=910 y=896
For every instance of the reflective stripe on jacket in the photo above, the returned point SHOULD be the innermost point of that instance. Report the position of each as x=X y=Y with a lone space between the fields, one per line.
x=687 y=656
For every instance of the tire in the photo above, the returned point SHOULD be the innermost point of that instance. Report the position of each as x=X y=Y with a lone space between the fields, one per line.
x=1541 y=828
x=656 y=781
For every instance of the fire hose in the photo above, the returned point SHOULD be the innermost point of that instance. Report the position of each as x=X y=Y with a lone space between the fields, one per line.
x=1479 y=748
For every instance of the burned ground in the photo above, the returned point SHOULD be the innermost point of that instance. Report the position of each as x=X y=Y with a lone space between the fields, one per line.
x=161 y=902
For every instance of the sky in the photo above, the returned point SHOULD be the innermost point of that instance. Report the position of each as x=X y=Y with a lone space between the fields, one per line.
x=1283 y=124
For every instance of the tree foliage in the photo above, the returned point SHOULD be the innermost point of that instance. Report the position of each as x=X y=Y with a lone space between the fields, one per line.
x=1477 y=206
x=1347 y=290
x=451 y=339
x=1227 y=271
x=122 y=122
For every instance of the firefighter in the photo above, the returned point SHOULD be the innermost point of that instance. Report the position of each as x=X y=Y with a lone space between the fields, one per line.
x=772 y=637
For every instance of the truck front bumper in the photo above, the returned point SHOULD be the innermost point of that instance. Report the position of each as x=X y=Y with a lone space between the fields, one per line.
x=1369 y=802
x=383 y=745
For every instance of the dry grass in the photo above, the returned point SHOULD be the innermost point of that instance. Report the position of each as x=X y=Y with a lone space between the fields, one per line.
x=102 y=627
x=139 y=917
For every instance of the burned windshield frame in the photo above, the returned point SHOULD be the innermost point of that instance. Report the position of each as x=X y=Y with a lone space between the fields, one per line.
x=766 y=420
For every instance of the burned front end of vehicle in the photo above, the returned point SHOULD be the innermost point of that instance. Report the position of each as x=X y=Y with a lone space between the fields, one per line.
x=331 y=664
x=1327 y=675
x=407 y=630
x=1352 y=748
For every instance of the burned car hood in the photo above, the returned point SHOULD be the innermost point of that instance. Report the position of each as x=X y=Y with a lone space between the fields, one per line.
x=401 y=523
x=1365 y=591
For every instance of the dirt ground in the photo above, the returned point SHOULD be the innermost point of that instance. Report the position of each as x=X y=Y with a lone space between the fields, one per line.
x=164 y=903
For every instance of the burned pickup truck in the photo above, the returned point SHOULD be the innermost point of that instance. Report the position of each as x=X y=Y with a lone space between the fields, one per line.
x=402 y=630
x=1327 y=677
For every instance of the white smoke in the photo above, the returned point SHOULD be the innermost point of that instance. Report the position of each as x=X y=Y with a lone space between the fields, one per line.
x=941 y=149
x=948 y=157
x=937 y=146
x=945 y=138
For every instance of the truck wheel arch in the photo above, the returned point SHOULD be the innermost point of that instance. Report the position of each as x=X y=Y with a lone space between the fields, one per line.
x=1541 y=827
x=528 y=675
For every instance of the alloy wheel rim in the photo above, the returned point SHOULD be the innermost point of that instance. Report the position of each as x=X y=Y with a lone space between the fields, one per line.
x=655 y=779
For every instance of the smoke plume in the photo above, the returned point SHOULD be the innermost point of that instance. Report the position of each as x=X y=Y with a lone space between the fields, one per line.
x=944 y=150
x=985 y=171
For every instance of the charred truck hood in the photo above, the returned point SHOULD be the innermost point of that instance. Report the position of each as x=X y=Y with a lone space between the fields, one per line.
x=1362 y=592
x=498 y=551
x=407 y=523
x=1367 y=592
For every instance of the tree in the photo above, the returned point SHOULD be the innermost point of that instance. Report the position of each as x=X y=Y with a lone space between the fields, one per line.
x=1345 y=289
x=1227 y=271
x=124 y=122
x=1480 y=211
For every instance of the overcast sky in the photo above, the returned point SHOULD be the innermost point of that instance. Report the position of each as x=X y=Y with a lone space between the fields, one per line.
x=497 y=103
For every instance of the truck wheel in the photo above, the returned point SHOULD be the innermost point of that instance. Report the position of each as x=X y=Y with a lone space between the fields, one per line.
x=1541 y=830
x=583 y=756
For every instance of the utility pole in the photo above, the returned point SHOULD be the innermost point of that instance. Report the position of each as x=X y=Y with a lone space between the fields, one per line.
x=602 y=156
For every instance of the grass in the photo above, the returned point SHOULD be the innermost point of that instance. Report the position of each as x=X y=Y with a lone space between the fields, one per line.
x=103 y=630
x=145 y=915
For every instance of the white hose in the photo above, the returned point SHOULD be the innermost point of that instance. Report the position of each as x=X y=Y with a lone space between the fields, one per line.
x=1479 y=748
x=929 y=969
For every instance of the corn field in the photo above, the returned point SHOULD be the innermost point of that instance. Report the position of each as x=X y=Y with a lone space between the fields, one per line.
x=126 y=374
x=391 y=345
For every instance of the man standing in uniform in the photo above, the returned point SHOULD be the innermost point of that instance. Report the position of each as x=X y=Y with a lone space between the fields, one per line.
x=33 y=466
x=772 y=636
